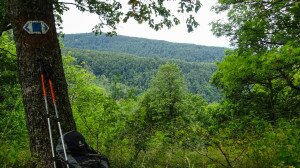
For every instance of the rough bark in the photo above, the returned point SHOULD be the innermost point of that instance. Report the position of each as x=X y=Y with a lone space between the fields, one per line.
x=31 y=49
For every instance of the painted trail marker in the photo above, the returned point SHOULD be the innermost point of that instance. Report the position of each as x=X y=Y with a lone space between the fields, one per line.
x=36 y=27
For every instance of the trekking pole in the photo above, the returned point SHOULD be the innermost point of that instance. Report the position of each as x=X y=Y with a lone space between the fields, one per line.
x=58 y=122
x=48 y=117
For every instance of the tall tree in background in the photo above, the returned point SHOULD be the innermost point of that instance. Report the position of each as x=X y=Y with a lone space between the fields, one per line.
x=261 y=76
x=258 y=25
x=161 y=107
x=33 y=48
x=165 y=96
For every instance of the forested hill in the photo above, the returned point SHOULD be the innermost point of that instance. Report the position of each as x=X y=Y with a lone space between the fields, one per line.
x=144 y=47
x=136 y=72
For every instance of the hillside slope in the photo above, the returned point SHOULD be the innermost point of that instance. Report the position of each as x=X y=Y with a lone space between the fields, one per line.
x=144 y=47
x=137 y=71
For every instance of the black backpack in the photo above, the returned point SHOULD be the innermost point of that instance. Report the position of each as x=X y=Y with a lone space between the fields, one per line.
x=79 y=153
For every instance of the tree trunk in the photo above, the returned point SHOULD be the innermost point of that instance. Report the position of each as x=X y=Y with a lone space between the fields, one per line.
x=31 y=50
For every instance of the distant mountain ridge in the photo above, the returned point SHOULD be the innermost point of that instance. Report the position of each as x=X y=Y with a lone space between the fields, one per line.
x=144 y=47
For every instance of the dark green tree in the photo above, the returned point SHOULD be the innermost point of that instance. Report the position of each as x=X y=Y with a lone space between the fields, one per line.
x=264 y=85
x=161 y=107
x=259 y=77
x=165 y=95
x=258 y=25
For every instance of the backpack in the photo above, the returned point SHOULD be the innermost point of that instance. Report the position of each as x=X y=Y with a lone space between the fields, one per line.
x=79 y=153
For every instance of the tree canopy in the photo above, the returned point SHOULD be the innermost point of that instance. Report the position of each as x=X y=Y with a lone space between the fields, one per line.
x=136 y=71
x=154 y=13
x=265 y=85
x=258 y=25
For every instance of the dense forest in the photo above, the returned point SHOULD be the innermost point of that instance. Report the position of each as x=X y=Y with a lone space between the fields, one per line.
x=144 y=47
x=136 y=72
x=256 y=122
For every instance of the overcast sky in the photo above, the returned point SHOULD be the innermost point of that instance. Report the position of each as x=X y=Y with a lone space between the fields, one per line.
x=78 y=22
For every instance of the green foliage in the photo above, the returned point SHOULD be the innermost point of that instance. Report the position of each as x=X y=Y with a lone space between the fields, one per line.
x=136 y=72
x=174 y=157
x=164 y=125
x=262 y=85
x=164 y=97
x=92 y=106
x=165 y=112
x=258 y=25
x=98 y=117
x=236 y=132
x=7 y=61
x=271 y=146
x=14 y=150
x=195 y=105
x=145 y=47
x=2 y=9
x=4 y=17
x=258 y=121
x=278 y=146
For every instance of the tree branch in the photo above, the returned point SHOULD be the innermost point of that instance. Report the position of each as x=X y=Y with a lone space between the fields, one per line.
x=81 y=7
x=4 y=50
x=226 y=156
x=212 y=159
